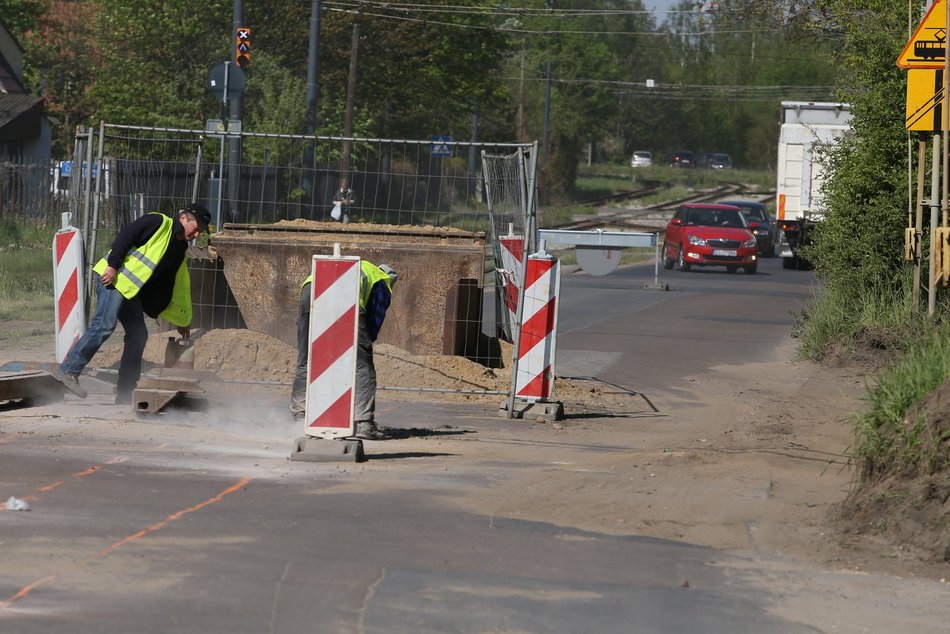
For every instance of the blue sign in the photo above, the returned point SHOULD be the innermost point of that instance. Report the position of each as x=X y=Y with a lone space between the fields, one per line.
x=440 y=147
x=66 y=168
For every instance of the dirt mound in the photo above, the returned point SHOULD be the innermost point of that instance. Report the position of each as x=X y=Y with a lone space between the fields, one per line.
x=909 y=517
x=247 y=355
x=232 y=354
x=906 y=502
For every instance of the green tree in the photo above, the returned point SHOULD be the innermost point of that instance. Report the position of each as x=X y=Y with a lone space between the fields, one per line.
x=579 y=42
x=155 y=58
x=62 y=63
x=724 y=71
x=21 y=16
x=423 y=75
x=859 y=244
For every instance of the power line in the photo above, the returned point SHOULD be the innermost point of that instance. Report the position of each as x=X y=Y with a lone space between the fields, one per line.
x=507 y=11
x=702 y=92
x=517 y=30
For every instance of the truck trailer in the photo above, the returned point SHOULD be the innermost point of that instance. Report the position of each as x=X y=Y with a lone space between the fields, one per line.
x=806 y=125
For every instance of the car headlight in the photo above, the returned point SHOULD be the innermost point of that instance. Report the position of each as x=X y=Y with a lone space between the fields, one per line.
x=761 y=232
x=697 y=241
x=748 y=243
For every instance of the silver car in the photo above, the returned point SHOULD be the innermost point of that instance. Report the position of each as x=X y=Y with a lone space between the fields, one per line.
x=641 y=158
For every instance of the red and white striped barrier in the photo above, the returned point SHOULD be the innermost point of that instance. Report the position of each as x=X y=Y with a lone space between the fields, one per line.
x=331 y=367
x=535 y=376
x=69 y=308
x=511 y=252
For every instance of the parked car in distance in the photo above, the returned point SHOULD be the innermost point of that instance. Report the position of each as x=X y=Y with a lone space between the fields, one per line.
x=757 y=216
x=683 y=158
x=720 y=161
x=709 y=235
x=641 y=158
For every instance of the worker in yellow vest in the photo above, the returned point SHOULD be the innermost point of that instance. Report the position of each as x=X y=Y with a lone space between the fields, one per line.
x=376 y=291
x=144 y=273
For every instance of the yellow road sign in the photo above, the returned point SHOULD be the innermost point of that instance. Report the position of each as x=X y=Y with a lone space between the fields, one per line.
x=927 y=47
x=924 y=100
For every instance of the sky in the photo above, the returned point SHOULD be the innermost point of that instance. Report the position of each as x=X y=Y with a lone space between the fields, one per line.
x=660 y=5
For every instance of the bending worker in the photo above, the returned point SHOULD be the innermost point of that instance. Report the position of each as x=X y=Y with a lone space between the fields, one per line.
x=144 y=273
x=376 y=289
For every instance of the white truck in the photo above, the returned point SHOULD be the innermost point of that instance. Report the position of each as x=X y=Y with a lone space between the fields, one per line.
x=798 y=198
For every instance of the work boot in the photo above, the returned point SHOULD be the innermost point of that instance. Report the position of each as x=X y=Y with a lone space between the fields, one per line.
x=367 y=430
x=70 y=382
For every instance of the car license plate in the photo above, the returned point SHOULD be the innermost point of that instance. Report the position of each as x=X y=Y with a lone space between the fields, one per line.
x=724 y=252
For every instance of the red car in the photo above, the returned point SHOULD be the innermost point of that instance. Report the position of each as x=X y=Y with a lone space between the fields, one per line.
x=710 y=235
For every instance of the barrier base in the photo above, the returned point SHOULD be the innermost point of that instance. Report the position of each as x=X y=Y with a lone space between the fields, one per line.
x=153 y=395
x=548 y=410
x=30 y=388
x=310 y=449
x=656 y=286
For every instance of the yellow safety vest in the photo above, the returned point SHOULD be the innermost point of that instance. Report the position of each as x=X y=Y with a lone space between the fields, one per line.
x=369 y=275
x=140 y=263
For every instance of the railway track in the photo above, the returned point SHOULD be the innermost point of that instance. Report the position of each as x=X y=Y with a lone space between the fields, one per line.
x=649 y=188
x=655 y=217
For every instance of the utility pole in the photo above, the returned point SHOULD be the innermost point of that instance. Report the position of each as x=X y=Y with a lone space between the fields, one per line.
x=236 y=112
x=350 y=97
x=547 y=115
x=310 y=125
x=472 y=154
x=313 y=67
x=522 y=131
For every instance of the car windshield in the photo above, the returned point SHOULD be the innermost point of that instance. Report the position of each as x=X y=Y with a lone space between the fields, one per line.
x=753 y=213
x=716 y=218
x=642 y=154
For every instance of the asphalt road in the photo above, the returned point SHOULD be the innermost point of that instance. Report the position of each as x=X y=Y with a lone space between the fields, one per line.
x=201 y=524
x=647 y=339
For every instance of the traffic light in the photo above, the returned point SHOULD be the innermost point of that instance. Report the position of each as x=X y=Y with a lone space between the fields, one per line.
x=242 y=47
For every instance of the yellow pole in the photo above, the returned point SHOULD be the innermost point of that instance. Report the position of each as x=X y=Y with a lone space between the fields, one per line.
x=946 y=123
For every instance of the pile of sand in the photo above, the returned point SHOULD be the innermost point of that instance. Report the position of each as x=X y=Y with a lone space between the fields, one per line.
x=250 y=356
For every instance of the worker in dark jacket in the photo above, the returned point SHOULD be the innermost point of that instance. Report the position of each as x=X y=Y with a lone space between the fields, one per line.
x=144 y=273
x=342 y=200
x=376 y=289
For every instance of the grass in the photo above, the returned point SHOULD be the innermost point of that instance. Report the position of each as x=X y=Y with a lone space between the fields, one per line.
x=839 y=318
x=26 y=273
x=596 y=177
x=887 y=440
x=602 y=180
x=880 y=321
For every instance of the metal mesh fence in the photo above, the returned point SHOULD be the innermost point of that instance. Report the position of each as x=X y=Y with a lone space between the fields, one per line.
x=432 y=209
x=512 y=230
x=28 y=193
